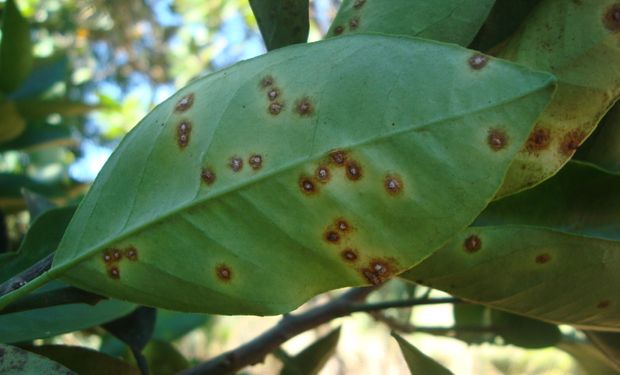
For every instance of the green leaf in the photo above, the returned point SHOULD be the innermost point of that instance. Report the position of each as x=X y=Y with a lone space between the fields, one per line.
x=282 y=22
x=44 y=74
x=41 y=239
x=313 y=358
x=609 y=344
x=12 y=124
x=468 y=315
x=38 y=204
x=37 y=109
x=134 y=329
x=164 y=359
x=51 y=321
x=453 y=21
x=287 y=194
x=38 y=137
x=551 y=253
x=602 y=146
x=578 y=42
x=15 y=48
x=84 y=360
x=504 y=20
x=525 y=332
x=418 y=362
x=16 y=361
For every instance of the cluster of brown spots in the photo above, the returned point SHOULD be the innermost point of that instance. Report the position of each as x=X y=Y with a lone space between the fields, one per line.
x=359 y=4
x=208 y=176
x=571 y=142
x=543 y=258
x=378 y=271
x=538 y=140
x=307 y=186
x=113 y=256
x=472 y=244
x=478 y=61
x=223 y=272
x=336 y=231
x=322 y=174
x=393 y=184
x=273 y=93
x=349 y=255
x=235 y=163
x=184 y=103
x=256 y=162
x=603 y=304
x=611 y=19
x=304 y=107
x=497 y=139
x=183 y=131
x=354 y=171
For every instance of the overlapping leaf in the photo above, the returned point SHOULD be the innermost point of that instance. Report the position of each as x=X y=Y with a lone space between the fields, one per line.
x=15 y=48
x=16 y=361
x=418 y=362
x=264 y=184
x=603 y=147
x=454 y=21
x=551 y=253
x=578 y=42
x=282 y=22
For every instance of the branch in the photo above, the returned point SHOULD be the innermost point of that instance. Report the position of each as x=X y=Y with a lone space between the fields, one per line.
x=292 y=325
x=62 y=296
x=27 y=275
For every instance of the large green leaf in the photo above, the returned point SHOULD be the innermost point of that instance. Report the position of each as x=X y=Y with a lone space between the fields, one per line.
x=418 y=362
x=282 y=22
x=15 y=48
x=551 y=253
x=225 y=193
x=455 y=21
x=16 y=361
x=602 y=147
x=578 y=42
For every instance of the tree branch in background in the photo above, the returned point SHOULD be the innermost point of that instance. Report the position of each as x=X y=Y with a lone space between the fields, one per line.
x=27 y=275
x=256 y=350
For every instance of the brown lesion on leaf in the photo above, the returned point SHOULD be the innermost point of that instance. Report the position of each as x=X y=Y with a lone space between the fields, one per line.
x=256 y=161
x=266 y=81
x=497 y=139
x=349 y=255
x=603 y=304
x=379 y=271
x=114 y=273
x=322 y=174
x=113 y=256
x=184 y=103
x=273 y=93
x=338 y=30
x=571 y=142
x=478 y=61
x=611 y=18
x=307 y=186
x=472 y=244
x=338 y=157
x=223 y=272
x=131 y=253
x=207 y=175
x=342 y=225
x=359 y=4
x=332 y=237
x=543 y=258
x=354 y=23
x=184 y=130
x=353 y=170
x=393 y=184
x=304 y=107
x=275 y=108
x=236 y=164
x=539 y=140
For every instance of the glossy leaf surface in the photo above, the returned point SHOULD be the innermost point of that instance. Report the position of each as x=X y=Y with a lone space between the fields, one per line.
x=274 y=174
x=453 y=21
x=550 y=253
x=16 y=361
x=578 y=42
x=282 y=22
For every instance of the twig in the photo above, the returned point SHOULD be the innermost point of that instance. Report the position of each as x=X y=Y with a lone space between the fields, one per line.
x=290 y=326
x=62 y=296
x=27 y=275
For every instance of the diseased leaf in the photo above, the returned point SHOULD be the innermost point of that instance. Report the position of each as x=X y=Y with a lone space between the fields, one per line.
x=551 y=253
x=84 y=360
x=314 y=357
x=267 y=176
x=454 y=21
x=418 y=362
x=578 y=42
x=16 y=361
x=602 y=148
x=15 y=48
x=282 y=22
